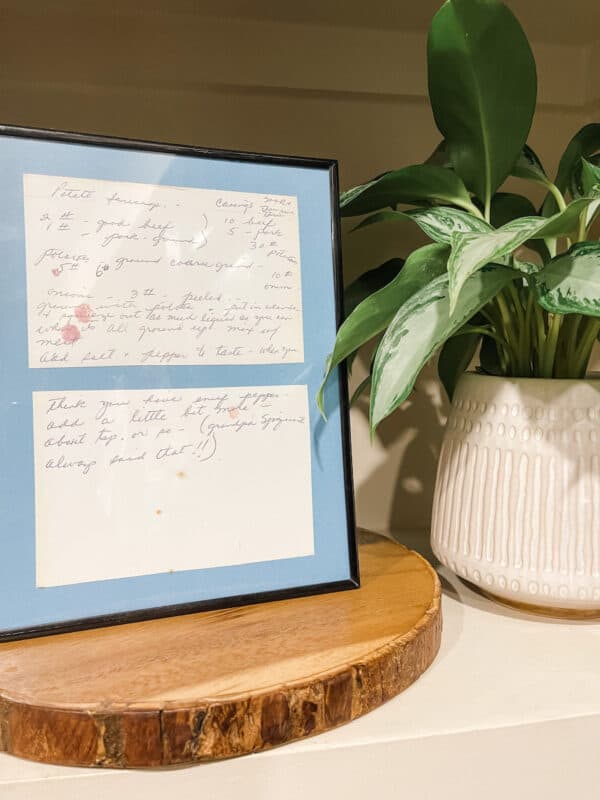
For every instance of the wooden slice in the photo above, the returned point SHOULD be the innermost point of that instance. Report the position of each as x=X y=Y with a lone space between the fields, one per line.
x=222 y=683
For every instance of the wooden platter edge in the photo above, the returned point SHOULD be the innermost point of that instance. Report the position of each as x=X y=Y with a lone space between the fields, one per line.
x=217 y=729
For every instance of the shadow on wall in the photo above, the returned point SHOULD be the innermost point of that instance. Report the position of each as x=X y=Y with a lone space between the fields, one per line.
x=395 y=474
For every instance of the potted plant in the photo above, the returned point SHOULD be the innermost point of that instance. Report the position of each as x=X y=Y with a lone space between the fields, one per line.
x=517 y=497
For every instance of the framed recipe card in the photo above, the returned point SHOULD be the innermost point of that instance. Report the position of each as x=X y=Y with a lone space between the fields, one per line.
x=165 y=317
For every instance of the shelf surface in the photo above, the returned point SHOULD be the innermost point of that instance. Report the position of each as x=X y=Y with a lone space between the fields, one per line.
x=511 y=704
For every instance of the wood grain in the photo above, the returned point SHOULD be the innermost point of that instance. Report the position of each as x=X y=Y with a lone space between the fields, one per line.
x=222 y=683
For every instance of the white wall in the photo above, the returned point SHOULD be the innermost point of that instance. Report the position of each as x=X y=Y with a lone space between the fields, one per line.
x=310 y=85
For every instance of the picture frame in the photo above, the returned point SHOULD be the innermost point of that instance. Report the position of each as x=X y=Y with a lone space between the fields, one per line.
x=166 y=314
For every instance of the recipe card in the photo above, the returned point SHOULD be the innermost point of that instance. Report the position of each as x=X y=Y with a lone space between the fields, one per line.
x=130 y=274
x=137 y=482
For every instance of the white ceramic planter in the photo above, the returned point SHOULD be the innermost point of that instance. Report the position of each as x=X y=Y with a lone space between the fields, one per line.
x=517 y=499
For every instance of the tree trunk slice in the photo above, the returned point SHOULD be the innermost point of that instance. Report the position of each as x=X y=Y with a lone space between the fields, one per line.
x=222 y=683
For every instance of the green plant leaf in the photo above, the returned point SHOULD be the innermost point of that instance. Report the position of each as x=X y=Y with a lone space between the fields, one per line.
x=570 y=283
x=585 y=142
x=415 y=185
x=585 y=178
x=585 y=181
x=592 y=212
x=440 y=156
x=438 y=222
x=375 y=312
x=529 y=167
x=525 y=267
x=482 y=86
x=365 y=285
x=472 y=251
x=489 y=358
x=455 y=356
x=360 y=389
x=370 y=282
x=419 y=327
x=507 y=206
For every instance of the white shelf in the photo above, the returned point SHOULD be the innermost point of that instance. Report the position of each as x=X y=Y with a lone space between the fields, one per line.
x=510 y=707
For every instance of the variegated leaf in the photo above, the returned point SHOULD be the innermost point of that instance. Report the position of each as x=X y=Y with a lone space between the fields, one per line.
x=374 y=314
x=506 y=207
x=525 y=267
x=438 y=222
x=420 y=326
x=570 y=283
x=472 y=251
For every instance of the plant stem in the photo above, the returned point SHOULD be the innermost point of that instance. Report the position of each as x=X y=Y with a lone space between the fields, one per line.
x=481 y=329
x=576 y=326
x=472 y=209
x=511 y=290
x=490 y=312
x=528 y=333
x=506 y=319
x=488 y=206
x=581 y=230
x=557 y=195
x=521 y=343
x=547 y=365
x=565 y=339
x=539 y=329
x=591 y=329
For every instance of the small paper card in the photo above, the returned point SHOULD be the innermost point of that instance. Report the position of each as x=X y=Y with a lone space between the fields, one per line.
x=132 y=274
x=181 y=454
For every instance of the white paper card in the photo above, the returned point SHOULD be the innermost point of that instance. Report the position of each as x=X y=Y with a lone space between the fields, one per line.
x=138 y=482
x=123 y=274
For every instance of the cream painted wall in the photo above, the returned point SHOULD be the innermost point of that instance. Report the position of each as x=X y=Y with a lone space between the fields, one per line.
x=299 y=87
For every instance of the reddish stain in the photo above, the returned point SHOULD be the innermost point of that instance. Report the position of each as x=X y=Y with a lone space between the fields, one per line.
x=234 y=413
x=84 y=312
x=56 y=272
x=70 y=333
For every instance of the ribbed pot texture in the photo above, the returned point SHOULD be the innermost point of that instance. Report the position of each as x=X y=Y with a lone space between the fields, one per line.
x=517 y=498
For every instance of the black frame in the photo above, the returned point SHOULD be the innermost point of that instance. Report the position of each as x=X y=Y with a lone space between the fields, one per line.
x=353 y=582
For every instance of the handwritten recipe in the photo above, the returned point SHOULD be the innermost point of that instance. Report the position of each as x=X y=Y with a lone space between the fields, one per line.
x=126 y=274
x=137 y=482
